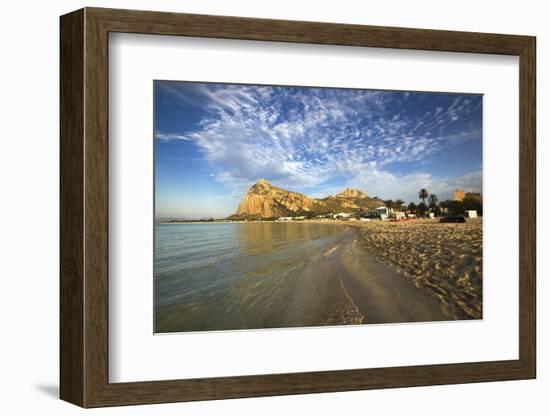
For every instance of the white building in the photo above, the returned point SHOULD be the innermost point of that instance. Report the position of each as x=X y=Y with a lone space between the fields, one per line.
x=399 y=215
x=383 y=211
x=291 y=218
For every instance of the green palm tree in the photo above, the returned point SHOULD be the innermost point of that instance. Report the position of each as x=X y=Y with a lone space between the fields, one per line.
x=389 y=204
x=399 y=204
x=433 y=204
x=423 y=194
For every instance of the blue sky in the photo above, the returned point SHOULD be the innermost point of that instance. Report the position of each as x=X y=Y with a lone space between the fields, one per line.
x=213 y=141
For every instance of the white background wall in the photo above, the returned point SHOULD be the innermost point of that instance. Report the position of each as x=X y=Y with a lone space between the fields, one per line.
x=29 y=206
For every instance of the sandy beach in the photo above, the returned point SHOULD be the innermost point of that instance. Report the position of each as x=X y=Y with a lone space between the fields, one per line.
x=443 y=259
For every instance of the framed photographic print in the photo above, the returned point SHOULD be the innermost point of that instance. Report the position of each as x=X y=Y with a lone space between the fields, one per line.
x=257 y=207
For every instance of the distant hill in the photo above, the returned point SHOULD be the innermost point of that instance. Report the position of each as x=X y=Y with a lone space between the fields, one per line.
x=351 y=193
x=264 y=200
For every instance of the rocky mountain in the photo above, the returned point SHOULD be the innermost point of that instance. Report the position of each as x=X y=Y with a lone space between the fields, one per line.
x=264 y=200
x=351 y=193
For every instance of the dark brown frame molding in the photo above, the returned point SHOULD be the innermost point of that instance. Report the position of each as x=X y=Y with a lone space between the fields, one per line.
x=84 y=207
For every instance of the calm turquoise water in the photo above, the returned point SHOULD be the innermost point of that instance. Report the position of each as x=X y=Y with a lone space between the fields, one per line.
x=238 y=275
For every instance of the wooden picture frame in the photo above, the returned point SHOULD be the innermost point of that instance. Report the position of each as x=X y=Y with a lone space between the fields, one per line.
x=84 y=207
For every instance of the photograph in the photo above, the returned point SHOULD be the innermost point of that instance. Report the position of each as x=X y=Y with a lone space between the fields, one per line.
x=304 y=206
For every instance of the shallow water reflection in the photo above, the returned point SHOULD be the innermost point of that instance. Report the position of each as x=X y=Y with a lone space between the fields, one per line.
x=235 y=275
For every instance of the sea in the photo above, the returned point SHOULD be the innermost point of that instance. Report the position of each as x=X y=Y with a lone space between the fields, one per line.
x=233 y=276
x=215 y=276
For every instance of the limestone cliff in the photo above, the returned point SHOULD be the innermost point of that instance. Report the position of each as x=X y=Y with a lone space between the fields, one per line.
x=269 y=201
x=351 y=193
x=263 y=200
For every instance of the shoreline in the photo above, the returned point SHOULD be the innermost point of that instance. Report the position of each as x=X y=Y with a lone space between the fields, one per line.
x=326 y=281
x=444 y=260
x=370 y=272
x=380 y=293
x=319 y=221
x=327 y=221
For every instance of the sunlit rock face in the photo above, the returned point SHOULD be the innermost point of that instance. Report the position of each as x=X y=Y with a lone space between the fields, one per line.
x=264 y=200
x=351 y=193
x=269 y=201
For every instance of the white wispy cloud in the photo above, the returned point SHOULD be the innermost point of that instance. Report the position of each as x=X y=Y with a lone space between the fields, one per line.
x=166 y=137
x=388 y=185
x=303 y=138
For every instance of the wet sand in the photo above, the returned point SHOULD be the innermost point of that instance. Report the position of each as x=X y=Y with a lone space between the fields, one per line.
x=346 y=285
x=444 y=260
x=381 y=294
x=319 y=296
